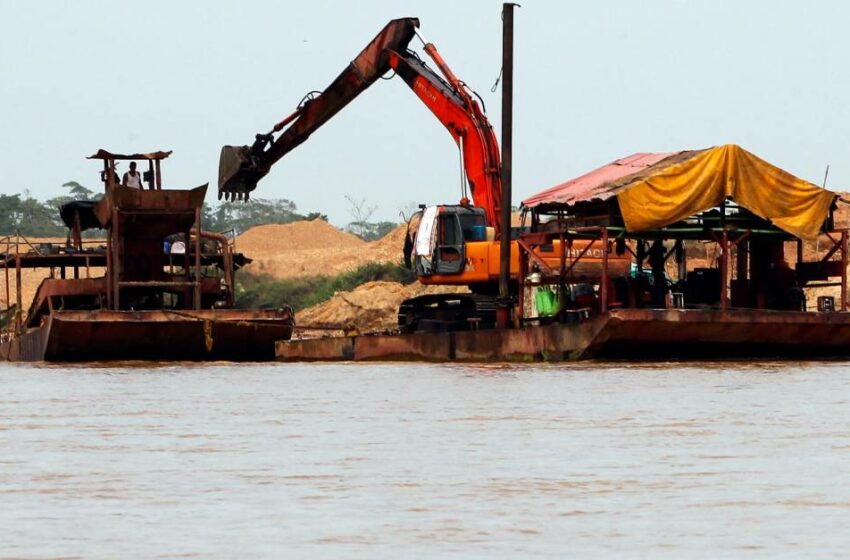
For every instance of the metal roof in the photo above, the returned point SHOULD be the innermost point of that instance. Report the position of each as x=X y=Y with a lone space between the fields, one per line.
x=103 y=154
x=601 y=183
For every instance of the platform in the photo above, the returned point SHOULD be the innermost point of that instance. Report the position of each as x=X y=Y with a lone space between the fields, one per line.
x=204 y=334
x=620 y=333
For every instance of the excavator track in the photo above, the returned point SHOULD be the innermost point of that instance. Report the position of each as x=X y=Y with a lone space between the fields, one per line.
x=447 y=312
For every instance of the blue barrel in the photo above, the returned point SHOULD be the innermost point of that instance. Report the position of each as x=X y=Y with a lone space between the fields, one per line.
x=478 y=233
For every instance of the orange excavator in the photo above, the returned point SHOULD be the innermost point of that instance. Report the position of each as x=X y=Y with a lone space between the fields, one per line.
x=454 y=244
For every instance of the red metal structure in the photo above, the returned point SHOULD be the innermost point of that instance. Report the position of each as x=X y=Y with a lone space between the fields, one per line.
x=456 y=244
x=153 y=301
x=448 y=98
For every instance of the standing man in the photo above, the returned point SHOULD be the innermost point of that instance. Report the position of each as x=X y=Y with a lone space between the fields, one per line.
x=132 y=178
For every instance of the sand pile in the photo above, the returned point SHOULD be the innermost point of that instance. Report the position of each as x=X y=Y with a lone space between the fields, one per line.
x=389 y=247
x=271 y=239
x=371 y=307
x=317 y=248
x=314 y=248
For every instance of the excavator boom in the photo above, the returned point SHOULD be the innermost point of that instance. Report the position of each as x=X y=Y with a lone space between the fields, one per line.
x=465 y=121
x=241 y=167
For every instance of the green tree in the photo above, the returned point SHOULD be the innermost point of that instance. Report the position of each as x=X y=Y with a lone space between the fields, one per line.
x=79 y=192
x=241 y=215
x=39 y=218
x=11 y=213
x=371 y=231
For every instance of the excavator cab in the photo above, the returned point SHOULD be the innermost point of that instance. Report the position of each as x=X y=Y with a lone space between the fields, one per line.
x=442 y=235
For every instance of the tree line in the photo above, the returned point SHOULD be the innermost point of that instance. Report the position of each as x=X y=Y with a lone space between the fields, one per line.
x=40 y=218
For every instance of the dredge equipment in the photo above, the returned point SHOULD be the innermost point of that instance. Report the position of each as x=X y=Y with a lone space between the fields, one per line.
x=454 y=244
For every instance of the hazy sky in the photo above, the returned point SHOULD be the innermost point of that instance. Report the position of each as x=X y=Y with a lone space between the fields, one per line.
x=595 y=81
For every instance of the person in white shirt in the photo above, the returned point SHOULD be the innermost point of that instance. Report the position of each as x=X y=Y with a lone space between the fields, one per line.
x=132 y=178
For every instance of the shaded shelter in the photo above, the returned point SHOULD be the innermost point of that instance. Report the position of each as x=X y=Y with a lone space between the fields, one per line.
x=655 y=190
x=725 y=196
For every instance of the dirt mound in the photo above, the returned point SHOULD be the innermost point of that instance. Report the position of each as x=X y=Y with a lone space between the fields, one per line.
x=389 y=247
x=314 y=248
x=273 y=239
x=371 y=307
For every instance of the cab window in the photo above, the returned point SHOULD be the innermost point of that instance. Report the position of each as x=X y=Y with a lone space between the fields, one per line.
x=450 y=232
x=471 y=225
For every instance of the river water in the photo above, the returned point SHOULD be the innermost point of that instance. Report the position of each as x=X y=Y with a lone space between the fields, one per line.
x=587 y=460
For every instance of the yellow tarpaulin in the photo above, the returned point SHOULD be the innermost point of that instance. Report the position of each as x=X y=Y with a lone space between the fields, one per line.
x=673 y=193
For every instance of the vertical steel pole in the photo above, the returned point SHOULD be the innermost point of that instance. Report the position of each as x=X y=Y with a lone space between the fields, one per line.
x=18 y=298
x=507 y=148
x=187 y=292
x=562 y=265
x=152 y=179
x=742 y=278
x=523 y=271
x=6 y=270
x=844 y=270
x=724 y=270
x=603 y=286
x=116 y=261
x=109 y=266
x=197 y=298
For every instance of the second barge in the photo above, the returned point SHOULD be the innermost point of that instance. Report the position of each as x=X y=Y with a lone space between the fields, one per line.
x=166 y=291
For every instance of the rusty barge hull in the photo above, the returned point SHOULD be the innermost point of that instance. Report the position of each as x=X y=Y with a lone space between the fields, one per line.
x=617 y=334
x=196 y=335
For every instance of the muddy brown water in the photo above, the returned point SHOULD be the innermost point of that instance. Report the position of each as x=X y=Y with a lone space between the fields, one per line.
x=673 y=460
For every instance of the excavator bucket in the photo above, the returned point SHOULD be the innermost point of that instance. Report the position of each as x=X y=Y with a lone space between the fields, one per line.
x=238 y=173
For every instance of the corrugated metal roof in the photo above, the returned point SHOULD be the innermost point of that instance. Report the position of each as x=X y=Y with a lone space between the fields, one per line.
x=601 y=183
x=103 y=154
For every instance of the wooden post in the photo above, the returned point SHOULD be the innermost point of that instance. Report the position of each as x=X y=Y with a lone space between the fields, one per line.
x=843 y=270
x=799 y=250
x=724 y=270
x=197 y=299
x=158 y=177
x=603 y=287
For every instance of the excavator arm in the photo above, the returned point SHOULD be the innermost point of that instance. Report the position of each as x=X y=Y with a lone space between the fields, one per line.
x=241 y=167
x=463 y=118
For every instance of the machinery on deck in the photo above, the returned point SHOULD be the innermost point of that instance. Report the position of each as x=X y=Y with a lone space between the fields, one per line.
x=453 y=244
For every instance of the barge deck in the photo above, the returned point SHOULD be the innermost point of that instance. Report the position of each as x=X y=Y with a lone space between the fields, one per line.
x=618 y=333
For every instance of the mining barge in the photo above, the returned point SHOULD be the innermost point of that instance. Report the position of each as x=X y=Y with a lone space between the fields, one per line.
x=729 y=257
x=160 y=288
